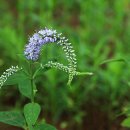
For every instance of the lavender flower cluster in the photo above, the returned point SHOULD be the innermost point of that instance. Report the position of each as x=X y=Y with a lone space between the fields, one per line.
x=32 y=50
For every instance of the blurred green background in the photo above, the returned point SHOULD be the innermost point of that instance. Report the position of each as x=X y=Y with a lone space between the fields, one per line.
x=98 y=30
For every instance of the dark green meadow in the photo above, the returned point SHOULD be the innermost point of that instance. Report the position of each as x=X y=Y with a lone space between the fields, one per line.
x=100 y=33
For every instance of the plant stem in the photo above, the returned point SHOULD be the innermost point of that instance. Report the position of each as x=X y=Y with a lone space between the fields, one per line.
x=84 y=73
x=32 y=92
x=32 y=88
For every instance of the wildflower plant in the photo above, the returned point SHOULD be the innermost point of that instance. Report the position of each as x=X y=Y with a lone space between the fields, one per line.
x=26 y=72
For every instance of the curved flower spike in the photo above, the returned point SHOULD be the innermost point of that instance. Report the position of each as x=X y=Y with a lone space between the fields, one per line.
x=42 y=37
x=65 y=69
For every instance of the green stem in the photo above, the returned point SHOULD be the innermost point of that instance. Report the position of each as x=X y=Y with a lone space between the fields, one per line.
x=32 y=88
x=32 y=91
x=36 y=72
x=84 y=73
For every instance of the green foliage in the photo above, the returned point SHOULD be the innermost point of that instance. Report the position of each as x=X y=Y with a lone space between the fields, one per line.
x=126 y=111
x=98 y=29
x=15 y=78
x=24 y=86
x=23 y=82
x=126 y=122
x=13 y=118
x=31 y=113
x=44 y=127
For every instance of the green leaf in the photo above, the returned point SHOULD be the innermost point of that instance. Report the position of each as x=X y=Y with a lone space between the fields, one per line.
x=113 y=60
x=15 y=78
x=126 y=122
x=12 y=118
x=31 y=112
x=44 y=127
x=25 y=87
